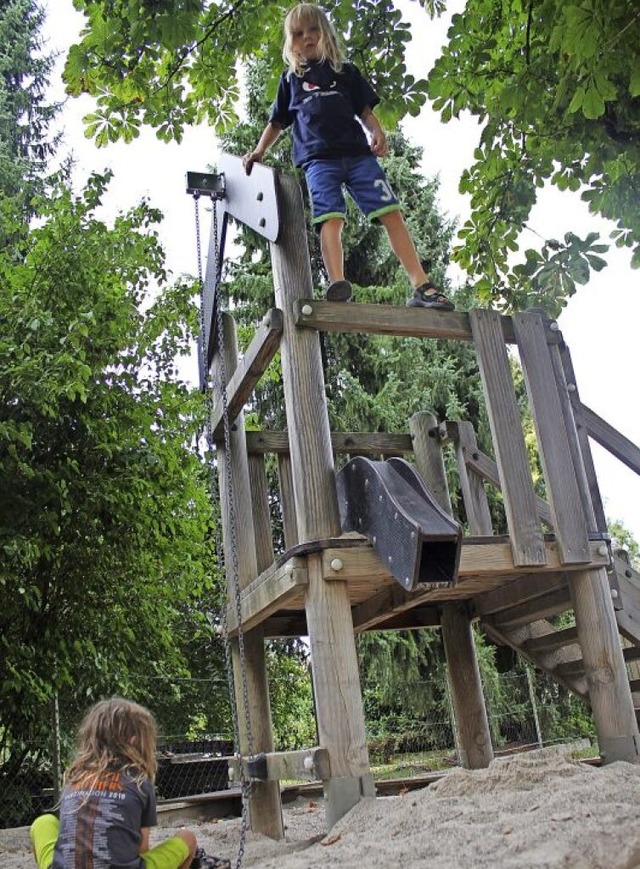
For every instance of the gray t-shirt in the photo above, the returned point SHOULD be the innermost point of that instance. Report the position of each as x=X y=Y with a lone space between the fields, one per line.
x=100 y=823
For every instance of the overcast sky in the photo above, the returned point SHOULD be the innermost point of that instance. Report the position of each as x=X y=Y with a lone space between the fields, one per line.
x=600 y=324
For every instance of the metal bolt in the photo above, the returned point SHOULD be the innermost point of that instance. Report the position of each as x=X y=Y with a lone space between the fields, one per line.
x=554 y=327
x=336 y=564
x=628 y=573
x=374 y=540
x=571 y=387
x=390 y=559
x=614 y=593
x=307 y=310
x=602 y=550
x=289 y=569
x=262 y=222
x=308 y=763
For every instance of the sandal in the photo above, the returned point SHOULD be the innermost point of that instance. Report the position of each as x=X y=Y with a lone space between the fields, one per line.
x=428 y=296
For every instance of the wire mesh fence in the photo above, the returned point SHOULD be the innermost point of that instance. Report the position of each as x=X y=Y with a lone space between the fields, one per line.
x=521 y=715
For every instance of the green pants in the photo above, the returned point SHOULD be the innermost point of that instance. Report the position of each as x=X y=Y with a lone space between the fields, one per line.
x=169 y=854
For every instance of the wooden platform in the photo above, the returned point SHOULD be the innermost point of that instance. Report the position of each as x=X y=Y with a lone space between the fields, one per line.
x=487 y=577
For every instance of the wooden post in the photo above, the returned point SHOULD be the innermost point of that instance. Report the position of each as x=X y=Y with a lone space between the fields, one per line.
x=474 y=495
x=336 y=679
x=470 y=714
x=604 y=666
x=249 y=663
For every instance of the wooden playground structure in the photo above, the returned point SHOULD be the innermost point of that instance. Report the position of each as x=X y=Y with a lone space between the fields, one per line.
x=329 y=584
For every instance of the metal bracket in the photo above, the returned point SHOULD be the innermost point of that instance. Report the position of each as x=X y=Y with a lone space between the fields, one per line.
x=206 y=184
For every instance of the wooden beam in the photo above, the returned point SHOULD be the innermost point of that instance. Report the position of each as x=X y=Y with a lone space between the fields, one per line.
x=611 y=439
x=488 y=470
x=553 y=640
x=250 y=369
x=311 y=764
x=334 y=662
x=362 y=443
x=555 y=602
x=518 y=591
x=384 y=320
x=267 y=594
x=476 y=559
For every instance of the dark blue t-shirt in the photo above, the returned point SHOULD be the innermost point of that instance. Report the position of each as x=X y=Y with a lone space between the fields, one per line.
x=322 y=108
x=100 y=822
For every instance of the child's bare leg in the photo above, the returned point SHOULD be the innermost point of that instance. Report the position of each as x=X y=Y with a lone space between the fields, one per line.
x=331 y=247
x=403 y=247
x=338 y=290
x=425 y=294
x=190 y=840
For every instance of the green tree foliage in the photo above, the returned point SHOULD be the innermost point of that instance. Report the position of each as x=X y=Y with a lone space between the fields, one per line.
x=556 y=87
x=172 y=63
x=104 y=520
x=25 y=141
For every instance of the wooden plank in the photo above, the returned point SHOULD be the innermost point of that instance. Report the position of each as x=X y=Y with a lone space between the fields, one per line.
x=311 y=764
x=269 y=593
x=628 y=617
x=363 y=443
x=475 y=499
x=261 y=515
x=543 y=607
x=566 y=380
x=518 y=591
x=248 y=372
x=570 y=519
x=486 y=468
x=570 y=669
x=287 y=501
x=611 y=439
x=553 y=640
x=508 y=439
x=382 y=320
x=548 y=661
x=476 y=560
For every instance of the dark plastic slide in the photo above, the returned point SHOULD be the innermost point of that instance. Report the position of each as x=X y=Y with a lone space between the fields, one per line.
x=389 y=503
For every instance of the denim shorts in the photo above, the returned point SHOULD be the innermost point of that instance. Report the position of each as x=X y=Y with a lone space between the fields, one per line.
x=362 y=176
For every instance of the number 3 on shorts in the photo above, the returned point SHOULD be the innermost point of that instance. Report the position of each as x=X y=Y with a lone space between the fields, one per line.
x=386 y=194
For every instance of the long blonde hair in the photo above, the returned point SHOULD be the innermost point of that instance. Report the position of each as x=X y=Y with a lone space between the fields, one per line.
x=329 y=44
x=116 y=735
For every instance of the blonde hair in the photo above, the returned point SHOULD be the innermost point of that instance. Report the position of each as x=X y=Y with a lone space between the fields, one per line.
x=329 y=48
x=116 y=735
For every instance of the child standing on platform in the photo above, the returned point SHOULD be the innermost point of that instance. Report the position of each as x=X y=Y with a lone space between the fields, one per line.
x=329 y=105
x=108 y=803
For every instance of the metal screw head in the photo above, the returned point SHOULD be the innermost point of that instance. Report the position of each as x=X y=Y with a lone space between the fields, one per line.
x=307 y=310
x=336 y=564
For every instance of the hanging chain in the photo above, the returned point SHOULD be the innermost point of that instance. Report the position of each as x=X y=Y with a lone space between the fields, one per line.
x=233 y=573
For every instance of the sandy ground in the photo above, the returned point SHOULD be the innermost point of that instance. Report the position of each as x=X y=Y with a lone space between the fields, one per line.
x=532 y=810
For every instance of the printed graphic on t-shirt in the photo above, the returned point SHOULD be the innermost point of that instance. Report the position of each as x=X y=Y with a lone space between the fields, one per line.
x=100 y=823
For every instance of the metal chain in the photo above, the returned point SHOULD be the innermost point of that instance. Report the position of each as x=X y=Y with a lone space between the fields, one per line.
x=233 y=574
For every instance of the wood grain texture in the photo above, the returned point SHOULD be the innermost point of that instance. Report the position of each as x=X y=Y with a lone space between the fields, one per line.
x=508 y=438
x=566 y=497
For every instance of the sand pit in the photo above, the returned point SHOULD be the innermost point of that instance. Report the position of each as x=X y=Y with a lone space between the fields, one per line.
x=532 y=810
